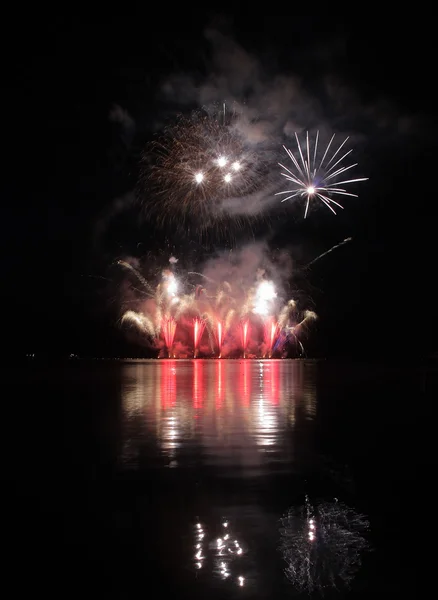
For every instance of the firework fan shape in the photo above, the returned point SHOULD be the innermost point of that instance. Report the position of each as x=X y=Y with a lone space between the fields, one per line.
x=322 y=545
x=263 y=321
x=318 y=174
x=195 y=170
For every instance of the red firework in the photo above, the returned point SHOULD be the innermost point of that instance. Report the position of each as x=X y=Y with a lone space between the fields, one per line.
x=220 y=332
x=168 y=327
x=244 y=333
x=271 y=331
x=198 y=330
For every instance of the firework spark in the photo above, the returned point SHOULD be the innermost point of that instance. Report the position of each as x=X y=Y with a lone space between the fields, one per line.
x=312 y=177
x=322 y=545
x=349 y=239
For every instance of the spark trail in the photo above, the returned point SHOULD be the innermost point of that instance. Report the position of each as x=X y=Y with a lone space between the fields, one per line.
x=349 y=239
x=315 y=178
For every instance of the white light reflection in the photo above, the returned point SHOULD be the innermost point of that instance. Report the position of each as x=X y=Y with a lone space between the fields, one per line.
x=267 y=420
x=199 y=554
x=224 y=551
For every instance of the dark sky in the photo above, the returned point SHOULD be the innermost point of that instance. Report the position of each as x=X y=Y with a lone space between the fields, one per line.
x=85 y=93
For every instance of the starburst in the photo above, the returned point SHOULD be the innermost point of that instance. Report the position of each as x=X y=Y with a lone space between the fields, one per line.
x=315 y=177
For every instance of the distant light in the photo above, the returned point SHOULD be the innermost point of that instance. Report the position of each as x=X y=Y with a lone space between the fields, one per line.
x=222 y=161
x=310 y=189
x=241 y=581
x=199 y=177
x=236 y=166
x=227 y=178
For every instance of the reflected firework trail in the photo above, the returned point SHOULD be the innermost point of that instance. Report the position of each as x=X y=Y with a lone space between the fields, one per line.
x=322 y=545
x=315 y=178
x=223 y=551
x=220 y=319
x=188 y=405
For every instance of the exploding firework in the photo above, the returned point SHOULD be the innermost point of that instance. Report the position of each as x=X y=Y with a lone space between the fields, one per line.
x=196 y=170
x=322 y=545
x=314 y=177
x=218 y=319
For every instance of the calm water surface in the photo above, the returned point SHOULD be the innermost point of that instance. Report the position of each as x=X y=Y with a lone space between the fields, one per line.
x=123 y=476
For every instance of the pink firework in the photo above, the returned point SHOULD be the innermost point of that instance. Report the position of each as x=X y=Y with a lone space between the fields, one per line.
x=271 y=330
x=220 y=332
x=168 y=327
x=244 y=334
x=198 y=330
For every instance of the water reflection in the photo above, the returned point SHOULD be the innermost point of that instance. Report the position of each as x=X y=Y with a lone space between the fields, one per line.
x=235 y=414
x=222 y=552
x=322 y=545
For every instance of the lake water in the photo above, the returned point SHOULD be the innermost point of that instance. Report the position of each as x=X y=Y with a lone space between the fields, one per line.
x=123 y=475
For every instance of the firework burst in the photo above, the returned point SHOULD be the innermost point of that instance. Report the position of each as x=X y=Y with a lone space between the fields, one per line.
x=312 y=176
x=195 y=170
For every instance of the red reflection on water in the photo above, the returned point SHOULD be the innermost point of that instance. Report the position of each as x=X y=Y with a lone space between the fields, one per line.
x=198 y=384
x=271 y=382
x=245 y=382
x=220 y=384
x=168 y=384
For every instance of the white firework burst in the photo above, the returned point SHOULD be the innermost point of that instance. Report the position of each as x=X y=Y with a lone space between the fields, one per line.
x=313 y=177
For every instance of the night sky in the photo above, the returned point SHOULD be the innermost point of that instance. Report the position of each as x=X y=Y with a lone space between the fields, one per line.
x=85 y=93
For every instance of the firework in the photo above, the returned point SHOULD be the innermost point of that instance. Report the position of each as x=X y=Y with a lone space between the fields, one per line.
x=322 y=545
x=198 y=330
x=244 y=331
x=252 y=319
x=220 y=331
x=194 y=169
x=168 y=327
x=271 y=330
x=328 y=251
x=314 y=177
